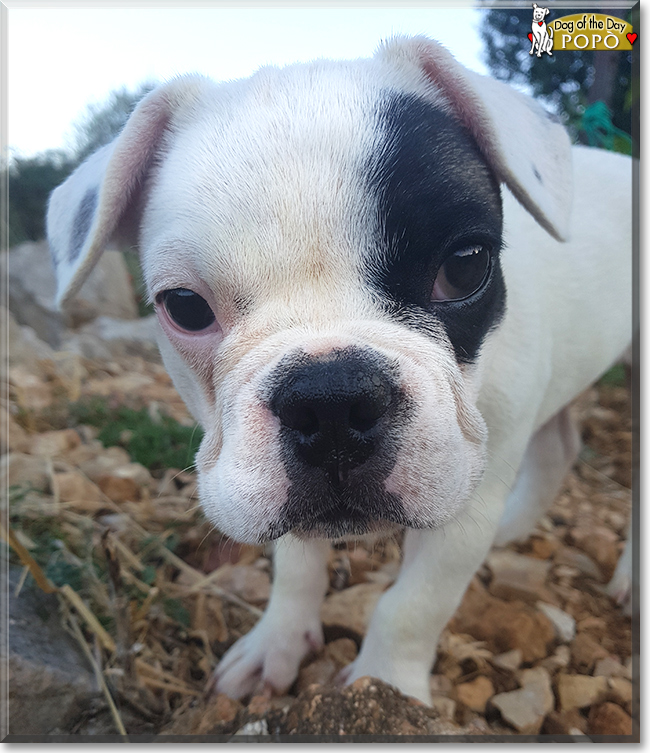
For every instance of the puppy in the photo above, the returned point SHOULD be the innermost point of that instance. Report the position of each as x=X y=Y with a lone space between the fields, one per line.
x=379 y=285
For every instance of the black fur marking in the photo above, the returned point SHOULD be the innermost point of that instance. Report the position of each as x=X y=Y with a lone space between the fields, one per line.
x=436 y=197
x=337 y=468
x=82 y=222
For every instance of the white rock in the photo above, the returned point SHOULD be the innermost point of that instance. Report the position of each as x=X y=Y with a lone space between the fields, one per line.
x=526 y=708
x=108 y=291
x=510 y=660
x=611 y=667
x=260 y=727
x=522 y=709
x=516 y=576
x=559 y=660
x=564 y=624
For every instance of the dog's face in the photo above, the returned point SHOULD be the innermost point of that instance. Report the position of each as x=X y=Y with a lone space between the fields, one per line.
x=344 y=271
x=322 y=246
x=539 y=13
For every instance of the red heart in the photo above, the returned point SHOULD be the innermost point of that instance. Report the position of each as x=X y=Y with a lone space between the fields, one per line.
x=631 y=38
x=539 y=23
x=530 y=36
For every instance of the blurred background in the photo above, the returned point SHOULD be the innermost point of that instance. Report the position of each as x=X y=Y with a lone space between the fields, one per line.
x=74 y=75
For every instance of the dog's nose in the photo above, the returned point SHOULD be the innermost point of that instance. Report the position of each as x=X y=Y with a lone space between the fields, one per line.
x=331 y=410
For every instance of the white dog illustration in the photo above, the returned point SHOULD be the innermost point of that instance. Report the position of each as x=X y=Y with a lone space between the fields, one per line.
x=541 y=36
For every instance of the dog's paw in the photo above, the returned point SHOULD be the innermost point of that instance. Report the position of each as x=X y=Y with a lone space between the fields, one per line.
x=408 y=679
x=266 y=660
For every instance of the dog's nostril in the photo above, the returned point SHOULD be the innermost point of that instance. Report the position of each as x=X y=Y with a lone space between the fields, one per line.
x=301 y=418
x=364 y=414
x=330 y=410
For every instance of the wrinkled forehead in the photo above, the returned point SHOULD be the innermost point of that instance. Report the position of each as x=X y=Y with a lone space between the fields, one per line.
x=272 y=178
x=271 y=169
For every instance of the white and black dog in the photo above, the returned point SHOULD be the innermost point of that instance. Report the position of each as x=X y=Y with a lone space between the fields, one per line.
x=379 y=285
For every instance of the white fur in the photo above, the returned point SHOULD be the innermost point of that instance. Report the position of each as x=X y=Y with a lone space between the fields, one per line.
x=249 y=194
x=541 y=37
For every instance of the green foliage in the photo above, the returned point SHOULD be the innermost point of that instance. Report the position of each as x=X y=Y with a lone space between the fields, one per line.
x=148 y=575
x=53 y=553
x=177 y=612
x=156 y=444
x=102 y=122
x=59 y=572
x=615 y=377
x=563 y=80
x=172 y=542
x=30 y=180
x=596 y=124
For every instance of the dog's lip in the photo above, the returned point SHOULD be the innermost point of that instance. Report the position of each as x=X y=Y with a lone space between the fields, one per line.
x=346 y=528
x=352 y=525
x=323 y=529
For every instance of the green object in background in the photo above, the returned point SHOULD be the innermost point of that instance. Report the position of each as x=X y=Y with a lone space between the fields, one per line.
x=596 y=124
x=156 y=444
x=615 y=377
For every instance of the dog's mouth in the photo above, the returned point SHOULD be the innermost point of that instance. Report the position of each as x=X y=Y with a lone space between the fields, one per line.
x=356 y=508
x=340 y=416
x=346 y=526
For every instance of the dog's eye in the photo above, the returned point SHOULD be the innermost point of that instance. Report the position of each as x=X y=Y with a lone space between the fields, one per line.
x=462 y=274
x=187 y=309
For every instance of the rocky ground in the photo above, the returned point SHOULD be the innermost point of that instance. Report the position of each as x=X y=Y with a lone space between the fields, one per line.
x=123 y=598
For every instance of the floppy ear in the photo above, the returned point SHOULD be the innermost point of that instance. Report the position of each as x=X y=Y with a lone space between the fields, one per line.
x=528 y=149
x=94 y=203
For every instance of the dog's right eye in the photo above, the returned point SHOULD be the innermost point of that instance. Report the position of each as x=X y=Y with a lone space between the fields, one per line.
x=462 y=274
x=187 y=309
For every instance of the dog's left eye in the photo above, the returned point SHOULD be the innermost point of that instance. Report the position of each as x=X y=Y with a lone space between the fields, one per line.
x=462 y=274
x=187 y=309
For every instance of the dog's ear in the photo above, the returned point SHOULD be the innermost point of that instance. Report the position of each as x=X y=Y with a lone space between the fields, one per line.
x=96 y=203
x=528 y=148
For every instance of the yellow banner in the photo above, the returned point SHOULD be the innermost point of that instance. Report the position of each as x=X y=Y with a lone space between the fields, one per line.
x=591 y=31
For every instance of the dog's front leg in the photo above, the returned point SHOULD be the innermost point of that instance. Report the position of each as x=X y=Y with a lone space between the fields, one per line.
x=267 y=658
x=400 y=646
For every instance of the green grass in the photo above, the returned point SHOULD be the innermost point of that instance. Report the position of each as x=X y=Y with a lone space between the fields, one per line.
x=157 y=445
x=615 y=377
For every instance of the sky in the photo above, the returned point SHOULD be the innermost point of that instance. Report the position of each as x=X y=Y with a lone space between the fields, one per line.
x=61 y=59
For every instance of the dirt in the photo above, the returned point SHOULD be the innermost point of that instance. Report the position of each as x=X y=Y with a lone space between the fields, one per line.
x=173 y=594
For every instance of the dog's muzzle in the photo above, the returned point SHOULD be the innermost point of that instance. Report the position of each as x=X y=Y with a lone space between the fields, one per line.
x=340 y=417
x=331 y=412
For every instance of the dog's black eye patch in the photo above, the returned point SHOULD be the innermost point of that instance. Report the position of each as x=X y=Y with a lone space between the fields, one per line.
x=439 y=225
x=187 y=309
